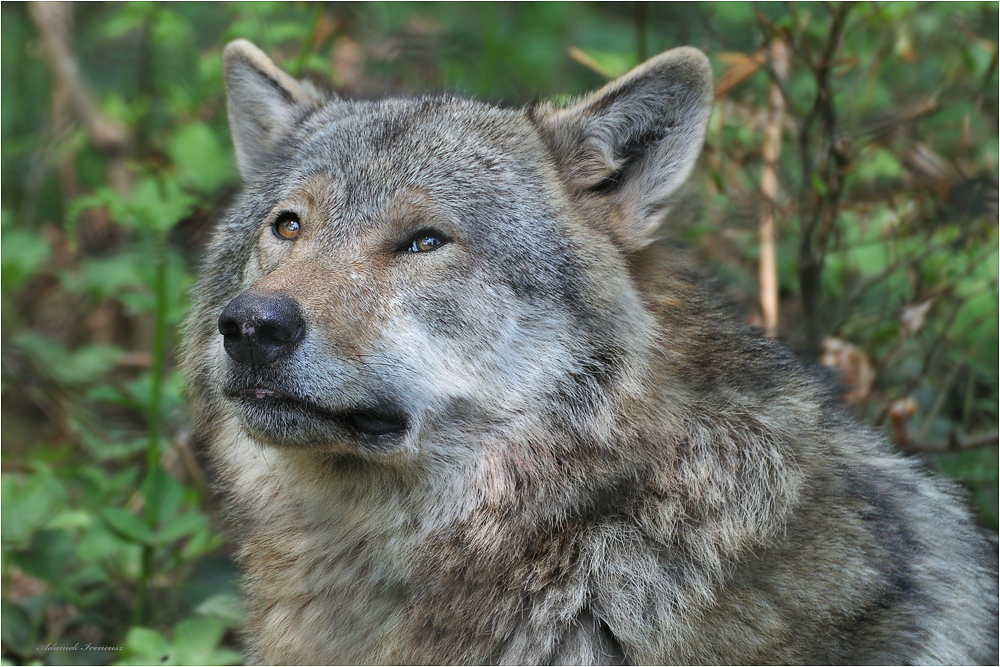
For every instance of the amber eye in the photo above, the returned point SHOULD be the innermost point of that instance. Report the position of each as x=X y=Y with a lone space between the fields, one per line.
x=287 y=226
x=426 y=240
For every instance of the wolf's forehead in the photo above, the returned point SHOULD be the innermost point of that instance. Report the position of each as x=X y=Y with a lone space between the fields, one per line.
x=456 y=151
x=415 y=139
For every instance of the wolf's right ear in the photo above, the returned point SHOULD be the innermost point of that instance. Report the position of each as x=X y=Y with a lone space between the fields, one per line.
x=264 y=104
x=628 y=147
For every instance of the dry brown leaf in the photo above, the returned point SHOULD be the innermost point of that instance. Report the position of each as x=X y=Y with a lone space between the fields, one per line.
x=743 y=66
x=587 y=61
x=929 y=167
x=853 y=367
x=900 y=412
x=912 y=319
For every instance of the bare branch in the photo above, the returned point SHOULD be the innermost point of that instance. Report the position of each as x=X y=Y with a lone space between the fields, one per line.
x=52 y=20
x=768 y=270
x=954 y=444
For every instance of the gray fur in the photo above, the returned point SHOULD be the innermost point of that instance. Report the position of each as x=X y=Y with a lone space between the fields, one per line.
x=599 y=465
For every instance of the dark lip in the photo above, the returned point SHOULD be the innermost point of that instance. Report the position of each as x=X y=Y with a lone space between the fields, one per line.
x=377 y=420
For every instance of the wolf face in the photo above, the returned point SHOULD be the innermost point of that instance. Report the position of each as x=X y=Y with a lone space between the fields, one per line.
x=390 y=279
x=465 y=408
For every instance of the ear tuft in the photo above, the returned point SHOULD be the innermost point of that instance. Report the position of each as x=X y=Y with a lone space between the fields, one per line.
x=264 y=105
x=631 y=145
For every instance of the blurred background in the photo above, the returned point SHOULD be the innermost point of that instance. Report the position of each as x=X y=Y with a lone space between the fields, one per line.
x=846 y=203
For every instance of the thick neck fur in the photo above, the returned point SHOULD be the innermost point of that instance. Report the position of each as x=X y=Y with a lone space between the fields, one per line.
x=464 y=559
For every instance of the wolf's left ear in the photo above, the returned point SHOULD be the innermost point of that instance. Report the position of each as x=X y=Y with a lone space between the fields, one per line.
x=264 y=105
x=629 y=146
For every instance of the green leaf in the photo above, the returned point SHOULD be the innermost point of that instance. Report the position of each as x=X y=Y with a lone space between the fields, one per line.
x=196 y=638
x=227 y=607
x=148 y=207
x=200 y=544
x=169 y=28
x=103 y=546
x=24 y=256
x=16 y=628
x=147 y=647
x=127 y=525
x=179 y=527
x=111 y=449
x=68 y=368
x=196 y=642
x=203 y=163
x=107 y=277
x=818 y=185
x=156 y=203
x=225 y=656
x=164 y=493
x=103 y=197
x=72 y=518
x=122 y=22
x=879 y=164
x=28 y=504
x=48 y=556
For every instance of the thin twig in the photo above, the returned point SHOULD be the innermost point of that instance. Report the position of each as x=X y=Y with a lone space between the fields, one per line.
x=771 y=150
x=53 y=21
x=824 y=206
x=954 y=444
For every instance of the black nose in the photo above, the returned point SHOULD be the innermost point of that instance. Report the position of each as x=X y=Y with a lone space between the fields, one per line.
x=261 y=327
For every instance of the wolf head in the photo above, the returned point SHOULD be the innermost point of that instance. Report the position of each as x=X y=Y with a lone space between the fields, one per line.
x=400 y=275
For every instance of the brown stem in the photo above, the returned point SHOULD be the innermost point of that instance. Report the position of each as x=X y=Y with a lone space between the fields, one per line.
x=824 y=206
x=53 y=20
x=641 y=15
x=954 y=444
x=768 y=270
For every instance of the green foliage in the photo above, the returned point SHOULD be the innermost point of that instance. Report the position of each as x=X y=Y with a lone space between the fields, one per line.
x=75 y=539
x=888 y=184
x=25 y=255
x=153 y=205
x=204 y=163
x=196 y=642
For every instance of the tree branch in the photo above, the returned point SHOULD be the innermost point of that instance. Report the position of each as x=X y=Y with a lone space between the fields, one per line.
x=954 y=444
x=771 y=150
x=52 y=20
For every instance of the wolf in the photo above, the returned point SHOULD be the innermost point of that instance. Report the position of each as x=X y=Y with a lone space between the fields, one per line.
x=466 y=406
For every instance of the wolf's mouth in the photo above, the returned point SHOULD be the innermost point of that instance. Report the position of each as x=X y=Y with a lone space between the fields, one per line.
x=376 y=420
